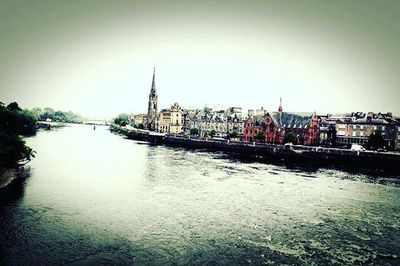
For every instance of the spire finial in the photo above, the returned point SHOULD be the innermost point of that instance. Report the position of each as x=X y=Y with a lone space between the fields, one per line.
x=280 y=105
x=153 y=84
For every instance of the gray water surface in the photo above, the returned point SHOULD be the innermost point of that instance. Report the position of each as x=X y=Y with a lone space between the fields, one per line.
x=96 y=198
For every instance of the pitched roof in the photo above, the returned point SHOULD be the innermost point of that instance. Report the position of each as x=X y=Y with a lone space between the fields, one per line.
x=285 y=119
x=364 y=118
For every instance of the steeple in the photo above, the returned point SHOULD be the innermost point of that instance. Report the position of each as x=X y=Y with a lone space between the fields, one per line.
x=153 y=92
x=280 y=105
x=152 y=105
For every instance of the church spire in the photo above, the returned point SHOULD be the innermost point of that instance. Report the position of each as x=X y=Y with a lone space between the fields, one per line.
x=280 y=105
x=153 y=92
x=153 y=102
x=153 y=84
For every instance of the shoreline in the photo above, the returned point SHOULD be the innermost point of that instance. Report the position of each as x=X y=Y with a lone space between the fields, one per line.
x=11 y=178
x=360 y=161
x=7 y=177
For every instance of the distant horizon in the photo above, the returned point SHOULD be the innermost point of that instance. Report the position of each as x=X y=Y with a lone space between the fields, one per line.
x=96 y=57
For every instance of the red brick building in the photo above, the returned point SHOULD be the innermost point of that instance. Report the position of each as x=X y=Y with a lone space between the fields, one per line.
x=252 y=126
x=277 y=125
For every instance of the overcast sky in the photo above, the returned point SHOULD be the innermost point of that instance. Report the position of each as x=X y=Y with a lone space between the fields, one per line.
x=96 y=57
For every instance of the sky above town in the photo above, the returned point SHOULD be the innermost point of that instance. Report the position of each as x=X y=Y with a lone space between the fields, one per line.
x=96 y=57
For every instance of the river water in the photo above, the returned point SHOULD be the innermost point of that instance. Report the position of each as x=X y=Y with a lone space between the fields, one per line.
x=95 y=198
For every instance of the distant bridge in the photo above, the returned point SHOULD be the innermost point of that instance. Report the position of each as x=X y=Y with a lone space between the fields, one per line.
x=49 y=124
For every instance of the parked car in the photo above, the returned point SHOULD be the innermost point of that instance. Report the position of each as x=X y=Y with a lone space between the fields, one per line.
x=357 y=147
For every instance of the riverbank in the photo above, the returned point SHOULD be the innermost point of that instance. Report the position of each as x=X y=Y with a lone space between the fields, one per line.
x=49 y=125
x=369 y=161
x=7 y=177
x=11 y=178
x=96 y=197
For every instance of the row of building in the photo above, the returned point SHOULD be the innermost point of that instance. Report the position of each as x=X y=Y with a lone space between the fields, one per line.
x=275 y=126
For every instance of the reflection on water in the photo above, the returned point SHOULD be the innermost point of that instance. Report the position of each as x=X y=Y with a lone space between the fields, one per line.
x=97 y=198
x=15 y=191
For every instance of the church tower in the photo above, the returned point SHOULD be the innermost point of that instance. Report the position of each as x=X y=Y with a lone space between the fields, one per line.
x=153 y=102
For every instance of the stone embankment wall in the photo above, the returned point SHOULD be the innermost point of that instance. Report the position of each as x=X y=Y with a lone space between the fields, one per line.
x=356 y=160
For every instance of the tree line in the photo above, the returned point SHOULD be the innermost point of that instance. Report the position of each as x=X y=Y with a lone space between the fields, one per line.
x=15 y=123
x=57 y=116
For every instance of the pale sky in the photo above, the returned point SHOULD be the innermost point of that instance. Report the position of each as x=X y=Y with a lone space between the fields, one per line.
x=96 y=57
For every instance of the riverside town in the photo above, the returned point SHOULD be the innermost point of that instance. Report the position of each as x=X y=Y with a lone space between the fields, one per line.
x=355 y=130
x=200 y=132
x=354 y=140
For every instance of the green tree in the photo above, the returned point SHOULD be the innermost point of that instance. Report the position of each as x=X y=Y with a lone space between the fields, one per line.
x=121 y=120
x=233 y=135
x=212 y=133
x=13 y=107
x=58 y=116
x=194 y=131
x=290 y=138
x=376 y=140
x=14 y=122
x=13 y=150
x=260 y=135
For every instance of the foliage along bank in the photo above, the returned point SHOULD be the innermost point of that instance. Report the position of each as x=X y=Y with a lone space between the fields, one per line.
x=15 y=123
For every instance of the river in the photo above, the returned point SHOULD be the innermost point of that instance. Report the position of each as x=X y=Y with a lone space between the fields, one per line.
x=93 y=197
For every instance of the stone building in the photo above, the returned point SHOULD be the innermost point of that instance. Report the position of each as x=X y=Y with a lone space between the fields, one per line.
x=176 y=119
x=234 y=123
x=170 y=121
x=212 y=121
x=138 y=119
x=152 y=105
x=327 y=132
x=356 y=128
x=190 y=119
x=397 y=141
x=206 y=120
x=163 y=121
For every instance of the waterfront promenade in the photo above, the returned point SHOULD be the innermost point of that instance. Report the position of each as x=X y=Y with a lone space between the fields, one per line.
x=343 y=158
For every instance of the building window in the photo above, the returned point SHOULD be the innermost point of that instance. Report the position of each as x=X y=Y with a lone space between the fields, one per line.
x=361 y=133
x=354 y=126
x=354 y=133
